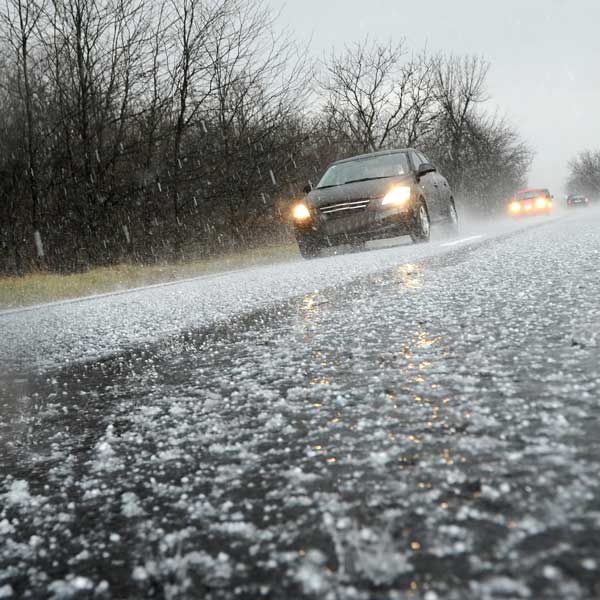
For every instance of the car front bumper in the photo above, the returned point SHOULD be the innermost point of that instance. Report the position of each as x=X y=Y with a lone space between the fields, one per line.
x=534 y=212
x=374 y=222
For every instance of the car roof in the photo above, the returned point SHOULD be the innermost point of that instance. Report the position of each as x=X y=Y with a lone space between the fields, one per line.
x=531 y=190
x=372 y=154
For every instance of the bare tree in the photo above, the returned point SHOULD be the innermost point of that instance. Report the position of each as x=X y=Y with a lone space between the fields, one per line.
x=378 y=97
x=460 y=89
x=496 y=162
x=94 y=55
x=14 y=214
x=191 y=79
x=152 y=107
x=20 y=20
x=260 y=83
x=584 y=174
x=200 y=101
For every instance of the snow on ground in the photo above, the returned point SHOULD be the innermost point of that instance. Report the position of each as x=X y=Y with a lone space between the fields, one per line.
x=427 y=431
x=66 y=332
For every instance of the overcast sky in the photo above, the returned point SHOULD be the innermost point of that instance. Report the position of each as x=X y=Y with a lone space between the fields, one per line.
x=545 y=57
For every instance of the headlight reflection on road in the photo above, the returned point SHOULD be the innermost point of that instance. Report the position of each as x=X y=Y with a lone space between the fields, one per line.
x=309 y=302
x=420 y=356
x=310 y=313
x=446 y=457
x=409 y=275
x=424 y=340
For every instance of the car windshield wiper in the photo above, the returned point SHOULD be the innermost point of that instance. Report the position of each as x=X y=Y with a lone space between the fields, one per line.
x=324 y=187
x=369 y=179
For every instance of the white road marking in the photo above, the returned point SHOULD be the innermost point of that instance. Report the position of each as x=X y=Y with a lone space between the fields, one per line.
x=462 y=241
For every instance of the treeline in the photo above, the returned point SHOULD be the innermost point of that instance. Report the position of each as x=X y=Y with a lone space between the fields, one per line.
x=134 y=130
x=584 y=174
x=379 y=95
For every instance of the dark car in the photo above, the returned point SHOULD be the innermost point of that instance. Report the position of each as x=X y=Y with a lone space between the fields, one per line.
x=373 y=196
x=575 y=200
x=532 y=201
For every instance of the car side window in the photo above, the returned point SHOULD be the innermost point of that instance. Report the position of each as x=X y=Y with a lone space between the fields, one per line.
x=415 y=160
x=427 y=160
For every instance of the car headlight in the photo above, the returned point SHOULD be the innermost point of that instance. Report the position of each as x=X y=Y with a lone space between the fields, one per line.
x=300 y=212
x=397 y=196
x=515 y=207
x=540 y=203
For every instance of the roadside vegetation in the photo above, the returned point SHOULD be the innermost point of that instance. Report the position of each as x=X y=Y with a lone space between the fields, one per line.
x=584 y=174
x=43 y=286
x=135 y=132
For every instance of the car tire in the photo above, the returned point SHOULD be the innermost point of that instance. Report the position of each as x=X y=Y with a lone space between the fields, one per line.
x=420 y=230
x=309 y=246
x=451 y=227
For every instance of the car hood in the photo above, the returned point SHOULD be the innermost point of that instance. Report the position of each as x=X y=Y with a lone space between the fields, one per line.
x=360 y=190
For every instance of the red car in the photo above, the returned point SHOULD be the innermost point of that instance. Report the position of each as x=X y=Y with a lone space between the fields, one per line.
x=533 y=201
x=577 y=200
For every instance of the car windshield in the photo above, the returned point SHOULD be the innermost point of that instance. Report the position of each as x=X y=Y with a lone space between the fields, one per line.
x=364 y=169
x=531 y=194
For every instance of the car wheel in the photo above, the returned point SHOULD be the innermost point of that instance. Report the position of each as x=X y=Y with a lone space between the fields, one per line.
x=421 y=225
x=309 y=247
x=451 y=227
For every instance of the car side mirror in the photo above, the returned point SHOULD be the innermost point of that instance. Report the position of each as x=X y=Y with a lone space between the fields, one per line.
x=425 y=168
x=307 y=189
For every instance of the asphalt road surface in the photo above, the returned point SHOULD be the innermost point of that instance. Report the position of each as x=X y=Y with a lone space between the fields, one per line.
x=409 y=422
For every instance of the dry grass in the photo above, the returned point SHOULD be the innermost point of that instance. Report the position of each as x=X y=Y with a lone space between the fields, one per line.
x=37 y=288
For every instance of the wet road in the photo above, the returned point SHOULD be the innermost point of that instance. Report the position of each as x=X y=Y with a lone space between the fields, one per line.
x=410 y=422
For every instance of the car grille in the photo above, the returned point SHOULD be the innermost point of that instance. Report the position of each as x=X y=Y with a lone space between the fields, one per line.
x=341 y=209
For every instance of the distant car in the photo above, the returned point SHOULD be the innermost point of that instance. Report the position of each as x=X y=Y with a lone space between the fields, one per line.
x=575 y=200
x=534 y=201
x=373 y=196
